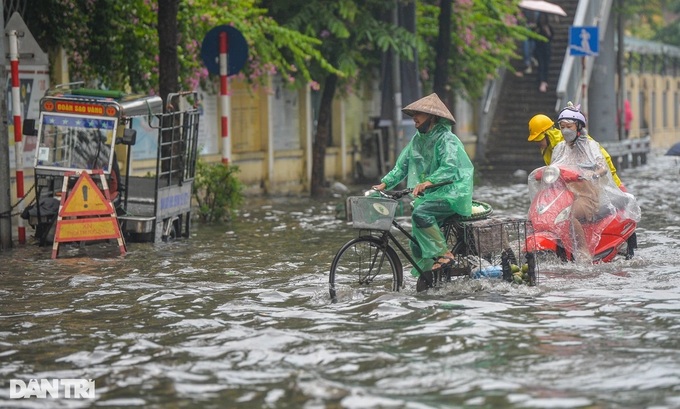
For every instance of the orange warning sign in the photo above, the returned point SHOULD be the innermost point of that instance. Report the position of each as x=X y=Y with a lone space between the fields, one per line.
x=85 y=199
x=87 y=229
x=86 y=213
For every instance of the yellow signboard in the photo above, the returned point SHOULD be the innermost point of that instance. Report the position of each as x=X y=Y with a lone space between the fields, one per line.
x=85 y=199
x=85 y=214
x=87 y=229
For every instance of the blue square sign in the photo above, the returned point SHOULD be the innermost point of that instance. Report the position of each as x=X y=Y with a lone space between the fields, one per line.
x=584 y=41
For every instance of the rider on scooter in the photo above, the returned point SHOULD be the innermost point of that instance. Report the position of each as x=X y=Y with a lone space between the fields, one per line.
x=543 y=131
x=596 y=189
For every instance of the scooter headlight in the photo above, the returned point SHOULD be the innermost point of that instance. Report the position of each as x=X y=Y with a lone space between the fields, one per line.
x=550 y=174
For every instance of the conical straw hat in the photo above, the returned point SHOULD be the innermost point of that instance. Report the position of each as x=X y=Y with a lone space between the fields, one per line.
x=430 y=104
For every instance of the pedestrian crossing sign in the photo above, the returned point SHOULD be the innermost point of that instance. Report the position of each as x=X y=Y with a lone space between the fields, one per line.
x=584 y=41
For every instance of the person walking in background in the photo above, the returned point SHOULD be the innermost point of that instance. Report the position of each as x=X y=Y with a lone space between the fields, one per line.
x=542 y=50
x=628 y=117
x=529 y=43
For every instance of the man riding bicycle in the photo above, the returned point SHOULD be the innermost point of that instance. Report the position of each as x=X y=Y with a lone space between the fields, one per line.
x=434 y=155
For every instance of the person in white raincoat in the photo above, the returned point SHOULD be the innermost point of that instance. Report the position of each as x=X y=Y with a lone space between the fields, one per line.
x=434 y=155
x=597 y=189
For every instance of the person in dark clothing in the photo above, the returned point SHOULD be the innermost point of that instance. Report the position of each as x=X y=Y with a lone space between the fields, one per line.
x=529 y=43
x=542 y=50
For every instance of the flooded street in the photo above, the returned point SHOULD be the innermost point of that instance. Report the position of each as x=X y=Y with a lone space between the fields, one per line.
x=239 y=316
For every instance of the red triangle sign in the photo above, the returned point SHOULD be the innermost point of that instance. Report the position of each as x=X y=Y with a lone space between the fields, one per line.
x=85 y=199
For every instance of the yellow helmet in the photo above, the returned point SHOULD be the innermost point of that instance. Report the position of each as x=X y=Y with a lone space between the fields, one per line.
x=537 y=125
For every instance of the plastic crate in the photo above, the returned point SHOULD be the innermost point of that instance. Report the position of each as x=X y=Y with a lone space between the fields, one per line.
x=374 y=213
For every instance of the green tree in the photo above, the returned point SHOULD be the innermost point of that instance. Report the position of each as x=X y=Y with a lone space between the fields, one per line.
x=352 y=36
x=480 y=35
x=168 y=59
x=109 y=43
x=669 y=31
x=115 y=44
x=645 y=18
x=467 y=42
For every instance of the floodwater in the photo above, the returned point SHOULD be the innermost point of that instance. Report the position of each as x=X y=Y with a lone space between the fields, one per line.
x=239 y=316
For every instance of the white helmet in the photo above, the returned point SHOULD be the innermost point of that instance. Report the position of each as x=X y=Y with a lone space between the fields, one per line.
x=573 y=113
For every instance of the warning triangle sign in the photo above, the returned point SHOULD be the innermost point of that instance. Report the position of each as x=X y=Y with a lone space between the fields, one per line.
x=85 y=199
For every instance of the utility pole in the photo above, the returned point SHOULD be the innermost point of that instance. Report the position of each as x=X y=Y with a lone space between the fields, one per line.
x=396 y=87
x=620 y=126
x=5 y=185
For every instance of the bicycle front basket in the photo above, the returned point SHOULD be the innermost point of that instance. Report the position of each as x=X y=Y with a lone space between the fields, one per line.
x=375 y=213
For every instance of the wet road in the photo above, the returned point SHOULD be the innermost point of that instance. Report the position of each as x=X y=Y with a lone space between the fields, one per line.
x=239 y=316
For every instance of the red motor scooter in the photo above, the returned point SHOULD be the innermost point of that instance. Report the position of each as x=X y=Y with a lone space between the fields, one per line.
x=610 y=233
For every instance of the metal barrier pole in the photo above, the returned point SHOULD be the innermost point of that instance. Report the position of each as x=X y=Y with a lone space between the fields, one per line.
x=18 y=143
x=224 y=92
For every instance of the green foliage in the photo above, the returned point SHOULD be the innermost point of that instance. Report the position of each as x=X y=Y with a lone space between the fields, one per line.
x=670 y=33
x=272 y=48
x=353 y=35
x=107 y=42
x=217 y=191
x=643 y=18
x=114 y=44
x=484 y=38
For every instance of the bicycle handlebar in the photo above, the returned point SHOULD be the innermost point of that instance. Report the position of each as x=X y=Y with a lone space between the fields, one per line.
x=398 y=194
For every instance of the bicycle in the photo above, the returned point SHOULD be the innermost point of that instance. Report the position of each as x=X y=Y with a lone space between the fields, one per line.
x=371 y=259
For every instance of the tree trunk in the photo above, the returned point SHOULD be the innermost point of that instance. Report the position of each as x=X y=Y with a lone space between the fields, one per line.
x=168 y=63
x=323 y=131
x=443 y=47
x=168 y=73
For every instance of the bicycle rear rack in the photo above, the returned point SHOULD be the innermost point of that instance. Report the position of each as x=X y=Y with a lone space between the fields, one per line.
x=492 y=248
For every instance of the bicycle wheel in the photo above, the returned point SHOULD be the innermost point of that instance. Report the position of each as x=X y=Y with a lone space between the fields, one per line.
x=365 y=262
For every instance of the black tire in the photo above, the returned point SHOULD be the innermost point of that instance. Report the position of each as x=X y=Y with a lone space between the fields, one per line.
x=362 y=263
x=562 y=254
x=455 y=237
x=187 y=225
x=172 y=234
x=631 y=245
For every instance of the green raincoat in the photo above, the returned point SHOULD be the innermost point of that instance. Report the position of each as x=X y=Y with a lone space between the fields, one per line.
x=436 y=156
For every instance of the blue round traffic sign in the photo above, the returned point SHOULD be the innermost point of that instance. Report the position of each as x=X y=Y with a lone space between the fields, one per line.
x=237 y=50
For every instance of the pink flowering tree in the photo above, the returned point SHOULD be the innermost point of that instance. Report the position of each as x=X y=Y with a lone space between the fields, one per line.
x=467 y=41
x=332 y=45
x=115 y=44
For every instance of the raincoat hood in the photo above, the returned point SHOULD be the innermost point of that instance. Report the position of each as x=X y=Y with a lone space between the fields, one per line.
x=554 y=136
